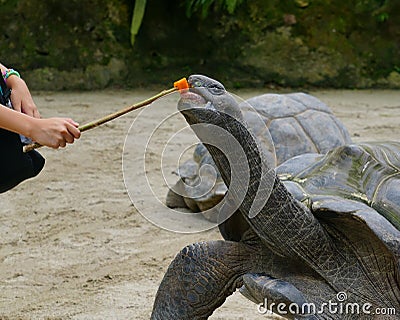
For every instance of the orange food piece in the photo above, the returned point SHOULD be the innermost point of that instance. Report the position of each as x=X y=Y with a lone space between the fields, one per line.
x=181 y=84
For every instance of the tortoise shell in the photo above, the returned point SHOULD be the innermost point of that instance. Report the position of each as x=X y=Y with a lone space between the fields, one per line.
x=368 y=173
x=298 y=123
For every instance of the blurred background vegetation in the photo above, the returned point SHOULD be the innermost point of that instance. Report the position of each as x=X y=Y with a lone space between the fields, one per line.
x=95 y=44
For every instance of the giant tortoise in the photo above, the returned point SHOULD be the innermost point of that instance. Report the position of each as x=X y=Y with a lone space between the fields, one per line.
x=324 y=245
x=294 y=121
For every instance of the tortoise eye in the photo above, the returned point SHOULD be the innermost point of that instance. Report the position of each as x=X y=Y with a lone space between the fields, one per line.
x=198 y=84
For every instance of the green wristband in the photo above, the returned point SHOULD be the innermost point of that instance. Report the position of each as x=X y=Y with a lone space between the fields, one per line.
x=10 y=72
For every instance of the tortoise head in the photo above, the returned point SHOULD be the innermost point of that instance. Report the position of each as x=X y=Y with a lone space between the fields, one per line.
x=207 y=101
x=245 y=166
x=215 y=117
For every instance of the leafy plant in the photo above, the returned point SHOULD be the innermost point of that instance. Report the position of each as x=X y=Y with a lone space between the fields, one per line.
x=137 y=17
x=192 y=6
x=382 y=17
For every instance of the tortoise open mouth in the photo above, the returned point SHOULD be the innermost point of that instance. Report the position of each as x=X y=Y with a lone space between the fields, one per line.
x=193 y=98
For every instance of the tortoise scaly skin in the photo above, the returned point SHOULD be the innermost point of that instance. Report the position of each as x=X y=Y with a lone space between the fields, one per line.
x=328 y=226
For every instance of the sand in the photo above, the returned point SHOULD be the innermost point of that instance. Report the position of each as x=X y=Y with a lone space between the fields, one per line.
x=72 y=243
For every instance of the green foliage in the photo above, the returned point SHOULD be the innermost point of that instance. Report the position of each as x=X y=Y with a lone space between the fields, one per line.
x=231 y=5
x=338 y=43
x=382 y=17
x=193 y=6
x=376 y=8
x=137 y=17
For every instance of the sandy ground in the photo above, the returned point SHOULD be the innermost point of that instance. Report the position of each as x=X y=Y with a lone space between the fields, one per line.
x=72 y=244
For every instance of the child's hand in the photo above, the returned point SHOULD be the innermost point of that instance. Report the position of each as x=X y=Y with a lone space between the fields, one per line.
x=55 y=132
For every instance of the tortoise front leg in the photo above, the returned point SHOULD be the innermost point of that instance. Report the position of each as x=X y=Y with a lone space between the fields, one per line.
x=200 y=278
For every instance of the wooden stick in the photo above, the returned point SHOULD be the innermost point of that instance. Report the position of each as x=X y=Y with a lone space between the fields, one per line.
x=112 y=116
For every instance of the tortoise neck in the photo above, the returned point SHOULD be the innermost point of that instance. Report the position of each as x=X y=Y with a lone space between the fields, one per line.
x=246 y=167
x=258 y=193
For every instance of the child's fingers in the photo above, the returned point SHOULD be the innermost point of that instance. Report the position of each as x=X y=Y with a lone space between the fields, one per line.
x=72 y=127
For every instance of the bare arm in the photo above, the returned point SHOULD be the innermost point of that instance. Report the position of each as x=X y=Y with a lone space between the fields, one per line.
x=21 y=98
x=25 y=118
x=52 y=132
